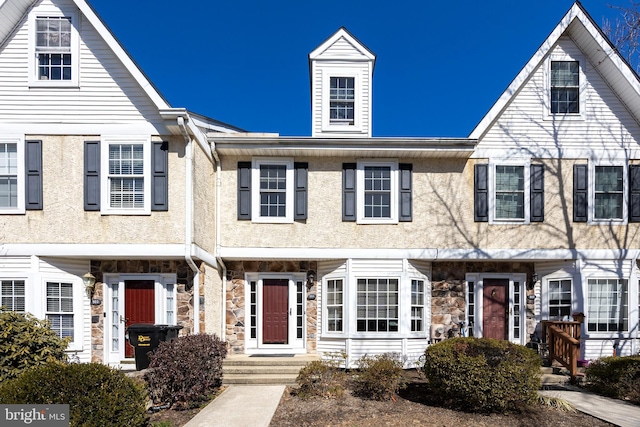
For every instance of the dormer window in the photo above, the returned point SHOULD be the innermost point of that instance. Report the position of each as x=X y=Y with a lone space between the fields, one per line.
x=565 y=87
x=342 y=100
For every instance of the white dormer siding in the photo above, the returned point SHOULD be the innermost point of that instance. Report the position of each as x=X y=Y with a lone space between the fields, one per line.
x=341 y=75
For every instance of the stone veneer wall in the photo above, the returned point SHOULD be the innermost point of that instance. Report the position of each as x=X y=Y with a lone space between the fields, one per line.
x=235 y=299
x=448 y=293
x=184 y=293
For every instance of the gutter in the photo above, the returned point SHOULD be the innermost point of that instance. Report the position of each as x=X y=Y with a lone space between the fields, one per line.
x=188 y=238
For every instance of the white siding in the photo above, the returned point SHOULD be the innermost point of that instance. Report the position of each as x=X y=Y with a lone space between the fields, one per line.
x=526 y=128
x=343 y=49
x=107 y=93
x=38 y=270
x=375 y=266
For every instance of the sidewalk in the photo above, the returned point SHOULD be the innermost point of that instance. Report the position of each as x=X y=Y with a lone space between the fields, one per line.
x=240 y=406
x=612 y=411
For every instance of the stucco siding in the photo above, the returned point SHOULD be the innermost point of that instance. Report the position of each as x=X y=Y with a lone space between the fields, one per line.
x=63 y=219
x=204 y=200
x=442 y=215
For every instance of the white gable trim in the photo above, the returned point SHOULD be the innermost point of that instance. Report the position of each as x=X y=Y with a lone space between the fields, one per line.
x=341 y=33
x=575 y=13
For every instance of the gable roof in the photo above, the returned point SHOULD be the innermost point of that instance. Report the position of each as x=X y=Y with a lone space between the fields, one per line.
x=588 y=36
x=14 y=11
x=324 y=51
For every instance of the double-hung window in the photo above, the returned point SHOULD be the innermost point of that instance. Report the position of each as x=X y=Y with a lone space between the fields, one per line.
x=607 y=305
x=127 y=181
x=342 y=100
x=565 y=87
x=10 y=176
x=509 y=192
x=559 y=298
x=377 y=184
x=54 y=44
x=335 y=305
x=417 y=305
x=377 y=305
x=608 y=192
x=273 y=190
x=12 y=294
x=60 y=308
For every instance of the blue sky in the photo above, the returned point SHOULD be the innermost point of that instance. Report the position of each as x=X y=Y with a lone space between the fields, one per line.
x=440 y=65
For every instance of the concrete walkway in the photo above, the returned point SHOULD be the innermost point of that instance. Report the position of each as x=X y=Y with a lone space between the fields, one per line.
x=612 y=411
x=241 y=406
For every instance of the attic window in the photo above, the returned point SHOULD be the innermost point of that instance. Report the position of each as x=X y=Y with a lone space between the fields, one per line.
x=342 y=99
x=53 y=48
x=565 y=87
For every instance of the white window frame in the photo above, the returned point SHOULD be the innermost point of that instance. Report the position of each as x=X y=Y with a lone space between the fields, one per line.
x=400 y=312
x=592 y=194
x=547 y=301
x=624 y=332
x=341 y=126
x=13 y=295
x=420 y=306
x=581 y=90
x=492 y=196
x=360 y=188
x=34 y=80
x=255 y=190
x=325 y=306
x=79 y=299
x=20 y=207
x=105 y=190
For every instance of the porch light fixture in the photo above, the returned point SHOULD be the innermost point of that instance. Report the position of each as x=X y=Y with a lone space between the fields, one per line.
x=534 y=280
x=89 y=281
x=311 y=275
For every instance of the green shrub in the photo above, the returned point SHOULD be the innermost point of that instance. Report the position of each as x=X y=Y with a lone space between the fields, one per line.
x=26 y=342
x=96 y=394
x=617 y=377
x=379 y=377
x=483 y=375
x=320 y=378
x=186 y=370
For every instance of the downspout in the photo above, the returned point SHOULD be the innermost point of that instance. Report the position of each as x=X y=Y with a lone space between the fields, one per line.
x=223 y=267
x=188 y=226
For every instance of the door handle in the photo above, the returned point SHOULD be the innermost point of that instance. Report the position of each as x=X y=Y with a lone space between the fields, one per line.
x=123 y=320
x=289 y=311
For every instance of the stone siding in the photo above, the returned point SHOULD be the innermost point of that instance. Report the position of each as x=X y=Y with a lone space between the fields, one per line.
x=184 y=293
x=448 y=297
x=235 y=305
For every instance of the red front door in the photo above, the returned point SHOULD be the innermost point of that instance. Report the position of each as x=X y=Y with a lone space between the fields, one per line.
x=139 y=306
x=275 y=311
x=494 y=311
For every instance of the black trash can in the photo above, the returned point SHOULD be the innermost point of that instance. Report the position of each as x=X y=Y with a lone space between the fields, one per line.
x=146 y=338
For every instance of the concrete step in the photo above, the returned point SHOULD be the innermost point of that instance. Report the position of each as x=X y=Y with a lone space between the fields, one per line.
x=245 y=369
x=557 y=375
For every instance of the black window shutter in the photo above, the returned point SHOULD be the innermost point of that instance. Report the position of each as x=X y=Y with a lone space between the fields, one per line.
x=405 y=196
x=537 y=193
x=33 y=175
x=349 y=192
x=634 y=193
x=244 y=190
x=301 y=172
x=481 y=193
x=92 y=175
x=160 y=176
x=580 y=193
